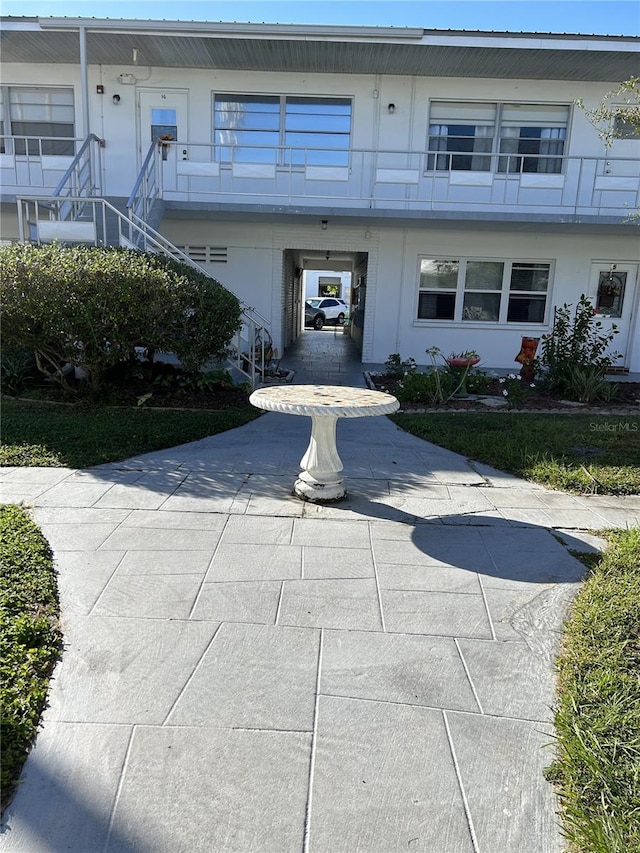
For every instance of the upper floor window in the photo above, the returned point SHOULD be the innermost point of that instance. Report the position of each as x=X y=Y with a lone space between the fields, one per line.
x=464 y=134
x=282 y=129
x=532 y=138
x=507 y=138
x=41 y=118
x=483 y=291
x=625 y=124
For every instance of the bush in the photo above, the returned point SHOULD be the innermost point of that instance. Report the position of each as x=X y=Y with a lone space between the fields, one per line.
x=91 y=307
x=575 y=348
x=17 y=367
x=29 y=636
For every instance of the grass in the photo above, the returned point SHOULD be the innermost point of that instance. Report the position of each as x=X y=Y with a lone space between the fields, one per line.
x=29 y=637
x=597 y=770
x=79 y=436
x=575 y=453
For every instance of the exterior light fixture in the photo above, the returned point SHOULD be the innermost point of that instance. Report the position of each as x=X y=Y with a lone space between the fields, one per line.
x=391 y=108
x=116 y=98
x=324 y=223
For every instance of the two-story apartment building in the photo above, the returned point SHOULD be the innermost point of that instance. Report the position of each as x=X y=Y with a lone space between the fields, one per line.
x=450 y=172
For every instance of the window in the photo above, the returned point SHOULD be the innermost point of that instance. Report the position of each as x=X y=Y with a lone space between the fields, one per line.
x=36 y=112
x=532 y=138
x=626 y=125
x=282 y=130
x=483 y=291
x=321 y=125
x=464 y=133
x=438 y=284
x=513 y=138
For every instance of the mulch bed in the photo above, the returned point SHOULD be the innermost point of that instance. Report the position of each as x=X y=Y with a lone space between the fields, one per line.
x=627 y=398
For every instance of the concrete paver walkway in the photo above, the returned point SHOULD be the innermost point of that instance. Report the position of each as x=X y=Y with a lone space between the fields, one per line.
x=246 y=672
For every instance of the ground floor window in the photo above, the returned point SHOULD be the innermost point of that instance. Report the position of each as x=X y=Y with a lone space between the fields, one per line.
x=485 y=291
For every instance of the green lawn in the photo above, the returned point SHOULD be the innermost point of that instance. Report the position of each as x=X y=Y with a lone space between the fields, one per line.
x=79 y=436
x=597 y=771
x=29 y=636
x=577 y=453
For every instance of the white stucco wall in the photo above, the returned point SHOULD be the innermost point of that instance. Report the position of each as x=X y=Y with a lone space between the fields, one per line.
x=254 y=270
x=571 y=256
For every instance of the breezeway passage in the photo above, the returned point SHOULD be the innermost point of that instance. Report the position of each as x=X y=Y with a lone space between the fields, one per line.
x=244 y=671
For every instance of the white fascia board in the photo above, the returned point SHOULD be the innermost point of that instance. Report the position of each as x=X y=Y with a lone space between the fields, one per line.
x=204 y=28
x=20 y=24
x=537 y=42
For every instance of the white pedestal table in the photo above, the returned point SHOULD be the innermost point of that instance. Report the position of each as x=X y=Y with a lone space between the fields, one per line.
x=320 y=480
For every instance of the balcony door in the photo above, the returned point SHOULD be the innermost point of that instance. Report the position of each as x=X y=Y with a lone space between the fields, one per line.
x=614 y=292
x=163 y=118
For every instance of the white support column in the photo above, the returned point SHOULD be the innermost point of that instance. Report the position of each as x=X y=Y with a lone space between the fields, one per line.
x=84 y=83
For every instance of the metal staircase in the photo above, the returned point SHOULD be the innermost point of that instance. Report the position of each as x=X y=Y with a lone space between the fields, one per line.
x=76 y=212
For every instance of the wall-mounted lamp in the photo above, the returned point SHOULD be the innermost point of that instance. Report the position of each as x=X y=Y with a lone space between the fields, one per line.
x=367 y=234
x=116 y=98
x=391 y=108
x=324 y=223
x=327 y=256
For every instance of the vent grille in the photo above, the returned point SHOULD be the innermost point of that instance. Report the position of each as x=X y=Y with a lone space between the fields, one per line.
x=206 y=254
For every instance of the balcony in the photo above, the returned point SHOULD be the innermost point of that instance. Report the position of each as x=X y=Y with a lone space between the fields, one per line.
x=396 y=184
x=34 y=163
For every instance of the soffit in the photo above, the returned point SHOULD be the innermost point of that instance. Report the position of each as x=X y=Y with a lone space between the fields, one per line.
x=307 y=54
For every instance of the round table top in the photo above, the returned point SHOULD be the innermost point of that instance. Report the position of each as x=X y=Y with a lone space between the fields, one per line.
x=331 y=400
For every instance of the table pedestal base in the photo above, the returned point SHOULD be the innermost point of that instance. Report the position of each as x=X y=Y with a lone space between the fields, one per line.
x=320 y=480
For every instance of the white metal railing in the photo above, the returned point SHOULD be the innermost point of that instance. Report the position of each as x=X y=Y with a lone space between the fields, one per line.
x=404 y=180
x=84 y=175
x=40 y=162
x=44 y=218
x=147 y=189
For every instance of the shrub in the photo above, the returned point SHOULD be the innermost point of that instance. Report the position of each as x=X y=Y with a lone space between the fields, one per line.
x=587 y=384
x=395 y=366
x=29 y=636
x=91 y=307
x=515 y=390
x=17 y=367
x=433 y=387
x=578 y=342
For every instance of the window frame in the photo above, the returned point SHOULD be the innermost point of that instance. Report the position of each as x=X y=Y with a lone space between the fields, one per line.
x=495 y=156
x=29 y=145
x=281 y=150
x=505 y=292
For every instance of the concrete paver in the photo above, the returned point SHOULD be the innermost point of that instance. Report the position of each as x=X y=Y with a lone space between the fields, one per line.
x=246 y=672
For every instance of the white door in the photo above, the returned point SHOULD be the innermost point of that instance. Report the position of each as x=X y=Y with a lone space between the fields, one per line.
x=163 y=118
x=613 y=290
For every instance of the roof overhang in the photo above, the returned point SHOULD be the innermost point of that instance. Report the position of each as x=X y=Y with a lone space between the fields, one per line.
x=307 y=49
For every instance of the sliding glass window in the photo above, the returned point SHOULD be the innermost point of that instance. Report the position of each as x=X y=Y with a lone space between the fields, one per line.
x=507 y=138
x=282 y=130
x=41 y=119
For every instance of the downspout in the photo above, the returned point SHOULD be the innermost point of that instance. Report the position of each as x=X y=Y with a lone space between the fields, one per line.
x=84 y=82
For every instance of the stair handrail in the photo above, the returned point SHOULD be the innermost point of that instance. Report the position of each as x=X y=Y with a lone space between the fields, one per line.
x=139 y=203
x=95 y=187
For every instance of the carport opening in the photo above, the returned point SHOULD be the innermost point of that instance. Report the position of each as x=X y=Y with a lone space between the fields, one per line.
x=322 y=275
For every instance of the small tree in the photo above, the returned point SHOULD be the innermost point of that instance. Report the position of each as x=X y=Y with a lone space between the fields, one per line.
x=617 y=116
x=577 y=342
x=91 y=307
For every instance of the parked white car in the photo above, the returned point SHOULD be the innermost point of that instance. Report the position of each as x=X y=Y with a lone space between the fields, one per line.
x=331 y=308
